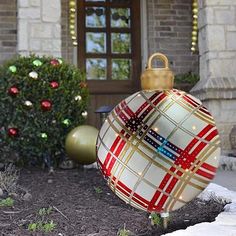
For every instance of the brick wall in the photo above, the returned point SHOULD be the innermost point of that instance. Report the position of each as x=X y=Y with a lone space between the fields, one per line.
x=8 y=29
x=169 y=32
x=67 y=48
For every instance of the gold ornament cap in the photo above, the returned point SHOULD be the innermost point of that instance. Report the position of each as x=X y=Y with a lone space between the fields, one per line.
x=157 y=78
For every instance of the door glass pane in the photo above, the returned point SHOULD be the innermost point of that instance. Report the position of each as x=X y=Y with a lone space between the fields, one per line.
x=120 y=1
x=120 y=17
x=95 y=0
x=121 y=69
x=95 y=42
x=96 y=69
x=120 y=43
x=95 y=17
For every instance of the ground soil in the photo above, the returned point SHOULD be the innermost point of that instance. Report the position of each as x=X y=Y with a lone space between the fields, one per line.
x=83 y=211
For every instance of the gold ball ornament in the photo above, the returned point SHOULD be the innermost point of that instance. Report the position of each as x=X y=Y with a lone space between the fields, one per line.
x=195 y=10
x=194 y=39
x=195 y=4
x=72 y=4
x=159 y=148
x=81 y=144
x=194 y=33
x=195 y=22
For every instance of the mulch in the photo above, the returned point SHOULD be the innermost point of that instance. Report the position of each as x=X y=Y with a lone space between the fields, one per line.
x=82 y=211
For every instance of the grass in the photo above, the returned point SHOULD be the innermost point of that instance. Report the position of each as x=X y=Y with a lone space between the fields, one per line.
x=124 y=232
x=45 y=227
x=43 y=223
x=98 y=190
x=155 y=219
x=8 y=202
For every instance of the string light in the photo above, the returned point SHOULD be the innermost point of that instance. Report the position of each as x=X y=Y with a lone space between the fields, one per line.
x=195 y=26
x=72 y=21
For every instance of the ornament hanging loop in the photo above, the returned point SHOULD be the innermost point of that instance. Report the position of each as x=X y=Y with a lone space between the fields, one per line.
x=160 y=56
x=157 y=78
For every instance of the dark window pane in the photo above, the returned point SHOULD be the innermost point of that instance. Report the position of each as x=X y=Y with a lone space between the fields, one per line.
x=120 y=1
x=95 y=0
x=121 y=69
x=120 y=17
x=95 y=42
x=96 y=69
x=121 y=43
x=95 y=17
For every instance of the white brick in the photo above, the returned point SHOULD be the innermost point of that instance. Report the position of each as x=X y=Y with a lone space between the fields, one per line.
x=57 y=31
x=35 y=3
x=23 y=36
x=231 y=27
x=219 y=2
x=231 y=41
x=47 y=45
x=51 y=10
x=219 y=68
x=23 y=3
x=215 y=37
x=205 y=17
x=224 y=17
x=56 y=44
x=40 y=30
x=35 y=45
x=227 y=54
x=29 y=13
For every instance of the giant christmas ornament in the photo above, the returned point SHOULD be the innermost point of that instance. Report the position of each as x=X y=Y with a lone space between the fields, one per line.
x=158 y=148
x=81 y=144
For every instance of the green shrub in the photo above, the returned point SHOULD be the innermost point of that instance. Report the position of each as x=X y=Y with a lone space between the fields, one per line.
x=188 y=78
x=41 y=99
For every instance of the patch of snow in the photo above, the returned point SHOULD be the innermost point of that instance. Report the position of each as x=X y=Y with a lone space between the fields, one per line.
x=225 y=222
x=227 y=163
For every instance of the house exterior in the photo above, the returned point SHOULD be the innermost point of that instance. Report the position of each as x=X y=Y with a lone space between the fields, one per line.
x=119 y=35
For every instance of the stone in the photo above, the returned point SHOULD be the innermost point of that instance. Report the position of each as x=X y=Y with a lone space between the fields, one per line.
x=35 y=3
x=57 y=31
x=29 y=13
x=231 y=41
x=40 y=30
x=51 y=10
x=218 y=2
x=35 y=45
x=219 y=67
x=27 y=197
x=224 y=17
x=23 y=3
x=23 y=36
x=215 y=37
x=1 y=192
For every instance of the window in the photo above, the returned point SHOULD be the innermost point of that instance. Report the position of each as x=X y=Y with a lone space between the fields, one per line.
x=109 y=44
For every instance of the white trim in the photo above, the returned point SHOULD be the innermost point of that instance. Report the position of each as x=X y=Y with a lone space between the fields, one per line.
x=144 y=33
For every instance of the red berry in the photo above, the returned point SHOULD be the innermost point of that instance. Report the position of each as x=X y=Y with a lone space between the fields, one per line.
x=13 y=91
x=13 y=132
x=54 y=84
x=54 y=62
x=46 y=105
